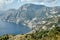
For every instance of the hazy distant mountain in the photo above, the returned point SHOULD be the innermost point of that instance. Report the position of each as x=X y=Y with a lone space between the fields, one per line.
x=30 y=14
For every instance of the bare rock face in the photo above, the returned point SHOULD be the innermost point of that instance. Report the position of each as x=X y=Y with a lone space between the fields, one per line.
x=30 y=14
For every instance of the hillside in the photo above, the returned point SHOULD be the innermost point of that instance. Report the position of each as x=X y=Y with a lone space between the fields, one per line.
x=30 y=14
x=44 y=22
x=47 y=31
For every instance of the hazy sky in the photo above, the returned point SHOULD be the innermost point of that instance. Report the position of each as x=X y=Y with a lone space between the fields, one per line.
x=10 y=4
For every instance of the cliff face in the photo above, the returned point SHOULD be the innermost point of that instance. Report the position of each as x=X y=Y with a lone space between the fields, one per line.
x=44 y=21
x=30 y=14
x=47 y=31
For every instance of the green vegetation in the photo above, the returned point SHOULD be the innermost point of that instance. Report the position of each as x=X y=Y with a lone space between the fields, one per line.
x=4 y=37
x=51 y=33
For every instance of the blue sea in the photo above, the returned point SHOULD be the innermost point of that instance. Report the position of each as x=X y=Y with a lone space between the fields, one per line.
x=12 y=28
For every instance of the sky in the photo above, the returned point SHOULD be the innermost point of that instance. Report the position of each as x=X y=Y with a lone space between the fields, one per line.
x=15 y=4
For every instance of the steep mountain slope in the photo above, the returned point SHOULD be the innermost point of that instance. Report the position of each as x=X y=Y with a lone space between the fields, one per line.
x=30 y=14
x=50 y=32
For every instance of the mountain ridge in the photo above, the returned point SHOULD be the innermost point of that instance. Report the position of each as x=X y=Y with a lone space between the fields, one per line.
x=30 y=14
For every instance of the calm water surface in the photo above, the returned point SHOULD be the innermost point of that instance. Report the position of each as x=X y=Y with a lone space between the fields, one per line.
x=11 y=28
